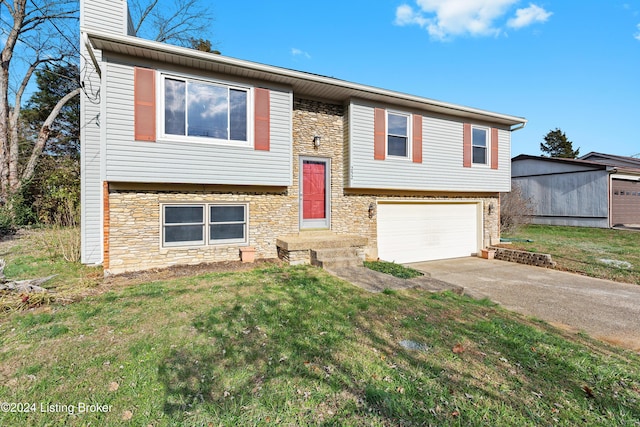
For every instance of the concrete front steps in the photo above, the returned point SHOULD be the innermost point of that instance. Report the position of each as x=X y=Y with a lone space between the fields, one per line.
x=332 y=258
x=322 y=248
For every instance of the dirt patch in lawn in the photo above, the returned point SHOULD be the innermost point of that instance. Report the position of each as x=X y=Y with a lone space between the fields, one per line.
x=178 y=271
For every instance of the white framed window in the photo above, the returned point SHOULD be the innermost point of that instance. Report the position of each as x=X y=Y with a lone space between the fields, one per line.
x=479 y=145
x=398 y=134
x=205 y=111
x=227 y=224
x=204 y=224
x=183 y=225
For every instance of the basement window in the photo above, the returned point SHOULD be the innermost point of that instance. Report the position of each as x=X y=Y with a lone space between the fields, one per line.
x=204 y=224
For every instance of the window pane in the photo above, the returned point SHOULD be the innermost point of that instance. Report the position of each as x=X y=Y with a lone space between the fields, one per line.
x=479 y=137
x=208 y=110
x=174 y=107
x=227 y=231
x=479 y=155
x=397 y=125
x=397 y=146
x=184 y=233
x=227 y=213
x=238 y=115
x=183 y=214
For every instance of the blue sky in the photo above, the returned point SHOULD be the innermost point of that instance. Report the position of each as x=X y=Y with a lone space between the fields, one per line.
x=572 y=65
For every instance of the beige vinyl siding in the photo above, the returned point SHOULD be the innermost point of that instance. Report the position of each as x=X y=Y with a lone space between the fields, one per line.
x=441 y=168
x=191 y=162
x=104 y=15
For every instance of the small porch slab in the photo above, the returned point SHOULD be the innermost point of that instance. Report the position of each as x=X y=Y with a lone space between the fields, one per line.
x=304 y=247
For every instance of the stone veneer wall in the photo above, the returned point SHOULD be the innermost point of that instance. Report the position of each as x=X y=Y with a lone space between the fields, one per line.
x=134 y=238
x=135 y=229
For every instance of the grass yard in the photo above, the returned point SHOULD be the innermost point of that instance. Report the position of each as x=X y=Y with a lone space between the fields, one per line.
x=291 y=346
x=596 y=252
x=40 y=253
x=396 y=270
x=295 y=346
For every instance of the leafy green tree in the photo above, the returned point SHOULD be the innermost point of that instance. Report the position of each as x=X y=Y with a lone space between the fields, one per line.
x=556 y=144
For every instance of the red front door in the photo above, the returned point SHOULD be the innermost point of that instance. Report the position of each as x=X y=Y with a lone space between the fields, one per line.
x=314 y=190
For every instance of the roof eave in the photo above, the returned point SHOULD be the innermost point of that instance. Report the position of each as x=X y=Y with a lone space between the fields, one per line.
x=341 y=90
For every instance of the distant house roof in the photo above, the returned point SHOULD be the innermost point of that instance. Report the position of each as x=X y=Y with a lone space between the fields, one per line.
x=321 y=87
x=613 y=166
x=595 y=165
x=612 y=159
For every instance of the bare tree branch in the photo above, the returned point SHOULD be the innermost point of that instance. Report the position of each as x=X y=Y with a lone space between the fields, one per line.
x=185 y=21
x=43 y=135
x=143 y=15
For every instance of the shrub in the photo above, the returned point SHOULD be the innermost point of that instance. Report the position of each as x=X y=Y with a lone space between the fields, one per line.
x=516 y=210
x=7 y=225
x=61 y=242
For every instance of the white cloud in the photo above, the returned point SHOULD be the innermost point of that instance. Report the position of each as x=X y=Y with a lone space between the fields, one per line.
x=445 y=19
x=405 y=15
x=528 y=16
x=637 y=35
x=298 y=52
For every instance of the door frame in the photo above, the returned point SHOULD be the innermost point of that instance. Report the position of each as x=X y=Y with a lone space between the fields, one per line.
x=324 y=224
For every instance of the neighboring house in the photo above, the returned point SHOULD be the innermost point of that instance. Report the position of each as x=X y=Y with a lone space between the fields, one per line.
x=612 y=160
x=597 y=190
x=191 y=157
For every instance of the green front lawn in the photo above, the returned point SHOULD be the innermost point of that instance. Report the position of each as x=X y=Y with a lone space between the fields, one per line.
x=596 y=252
x=396 y=270
x=296 y=346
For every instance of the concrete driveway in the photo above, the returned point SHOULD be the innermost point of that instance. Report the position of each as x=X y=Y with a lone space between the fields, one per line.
x=606 y=310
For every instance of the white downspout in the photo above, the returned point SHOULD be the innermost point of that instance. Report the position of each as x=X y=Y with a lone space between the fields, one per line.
x=609 y=210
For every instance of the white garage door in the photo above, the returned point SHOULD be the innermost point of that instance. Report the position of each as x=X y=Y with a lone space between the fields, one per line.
x=411 y=232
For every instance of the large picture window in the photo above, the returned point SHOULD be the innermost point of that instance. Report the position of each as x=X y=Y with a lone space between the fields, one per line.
x=479 y=142
x=200 y=224
x=198 y=109
x=397 y=134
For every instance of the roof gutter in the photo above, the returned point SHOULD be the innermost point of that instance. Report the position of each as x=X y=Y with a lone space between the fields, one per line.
x=519 y=126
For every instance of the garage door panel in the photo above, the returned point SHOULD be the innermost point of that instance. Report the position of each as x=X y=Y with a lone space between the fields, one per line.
x=625 y=206
x=418 y=232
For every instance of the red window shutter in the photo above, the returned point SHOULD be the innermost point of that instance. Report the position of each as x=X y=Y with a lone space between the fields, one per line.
x=261 y=138
x=466 y=145
x=379 y=134
x=144 y=100
x=494 y=148
x=417 y=138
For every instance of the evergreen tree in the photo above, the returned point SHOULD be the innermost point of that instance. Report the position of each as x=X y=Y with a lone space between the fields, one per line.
x=556 y=144
x=52 y=194
x=54 y=82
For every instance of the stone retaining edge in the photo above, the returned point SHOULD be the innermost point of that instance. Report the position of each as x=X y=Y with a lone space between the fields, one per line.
x=523 y=257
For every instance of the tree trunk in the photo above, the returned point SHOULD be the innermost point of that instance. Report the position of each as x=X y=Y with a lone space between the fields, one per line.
x=18 y=14
x=4 y=131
